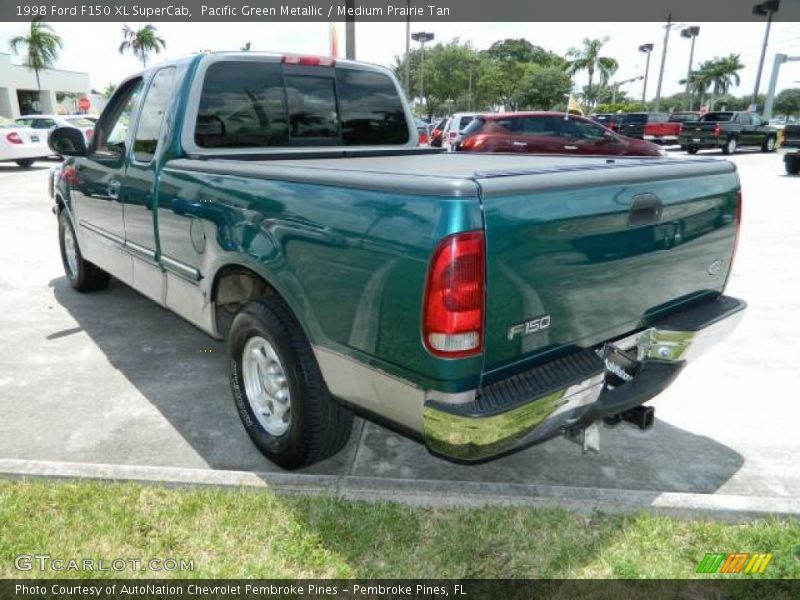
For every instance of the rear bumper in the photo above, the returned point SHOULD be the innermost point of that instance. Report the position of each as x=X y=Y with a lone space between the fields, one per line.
x=573 y=391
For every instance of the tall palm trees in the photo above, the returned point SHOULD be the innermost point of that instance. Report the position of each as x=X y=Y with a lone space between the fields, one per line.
x=587 y=58
x=41 y=45
x=718 y=74
x=141 y=42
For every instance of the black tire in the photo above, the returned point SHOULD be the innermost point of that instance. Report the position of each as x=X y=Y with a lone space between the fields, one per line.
x=318 y=426
x=692 y=149
x=25 y=162
x=85 y=277
x=769 y=144
x=792 y=164
x=730 y=146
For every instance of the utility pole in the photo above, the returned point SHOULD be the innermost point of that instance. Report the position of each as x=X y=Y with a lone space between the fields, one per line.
x=768 y=8
x=422 y=37
x=350 y=31
x=646 y=48
x=690 y=32
x=667 y=29
x=406 y=79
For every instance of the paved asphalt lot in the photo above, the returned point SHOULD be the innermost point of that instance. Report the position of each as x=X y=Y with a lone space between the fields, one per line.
x=112 y=378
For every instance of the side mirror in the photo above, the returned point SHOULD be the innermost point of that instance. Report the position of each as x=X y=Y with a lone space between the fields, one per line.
x=67 y=141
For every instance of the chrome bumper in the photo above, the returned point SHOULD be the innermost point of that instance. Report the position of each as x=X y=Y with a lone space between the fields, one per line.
x=662 y=350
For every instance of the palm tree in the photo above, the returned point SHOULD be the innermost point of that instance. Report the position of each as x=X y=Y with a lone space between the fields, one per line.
x=724 y=74
x=141 y=42
x=42 y=44
x=700 y=81
x=587 y=58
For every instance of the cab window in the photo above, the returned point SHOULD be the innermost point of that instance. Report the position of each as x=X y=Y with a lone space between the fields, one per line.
x=111 y=131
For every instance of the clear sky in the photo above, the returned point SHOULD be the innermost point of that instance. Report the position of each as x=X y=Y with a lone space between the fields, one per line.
x=93 y=47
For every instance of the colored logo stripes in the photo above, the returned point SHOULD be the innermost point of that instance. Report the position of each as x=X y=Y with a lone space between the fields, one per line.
x=734 y=563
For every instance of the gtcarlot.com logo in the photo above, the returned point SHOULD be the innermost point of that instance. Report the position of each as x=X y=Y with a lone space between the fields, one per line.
x=735 y=562
x=46 y=562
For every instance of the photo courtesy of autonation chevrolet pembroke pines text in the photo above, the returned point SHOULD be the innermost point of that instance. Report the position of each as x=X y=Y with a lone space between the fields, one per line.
x=375 y=299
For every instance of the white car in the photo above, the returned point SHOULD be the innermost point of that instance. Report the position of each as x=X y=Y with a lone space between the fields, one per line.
x=455 y=125
x=21 y=145
x=46 y=123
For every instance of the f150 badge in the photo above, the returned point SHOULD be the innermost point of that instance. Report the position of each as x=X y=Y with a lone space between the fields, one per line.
x=529 y=327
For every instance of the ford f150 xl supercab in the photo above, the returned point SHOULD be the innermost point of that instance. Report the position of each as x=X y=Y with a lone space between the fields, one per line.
x=481 y=303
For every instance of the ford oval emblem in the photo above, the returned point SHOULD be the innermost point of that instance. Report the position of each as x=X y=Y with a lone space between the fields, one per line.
x=715 y=267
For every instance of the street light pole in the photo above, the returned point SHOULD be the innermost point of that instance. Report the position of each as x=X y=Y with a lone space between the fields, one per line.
x=647 y=49
x=690 y=32
x=350 y=31
x=615 y=87
x=667 y=29
x=768 y=8
x=422 y=37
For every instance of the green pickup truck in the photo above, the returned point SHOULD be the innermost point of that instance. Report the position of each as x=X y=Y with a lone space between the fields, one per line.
x=480 y=303
x=728 y=131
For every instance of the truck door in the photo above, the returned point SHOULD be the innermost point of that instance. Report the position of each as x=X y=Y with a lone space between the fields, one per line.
x=96 y=192
x=746 y=137
x=139 y=191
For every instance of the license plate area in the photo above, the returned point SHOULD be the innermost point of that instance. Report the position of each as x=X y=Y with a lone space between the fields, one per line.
x=695 y=139
x=621 y=365
x=34 y=138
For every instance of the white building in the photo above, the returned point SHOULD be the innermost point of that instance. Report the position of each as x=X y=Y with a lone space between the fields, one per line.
x=19 y=94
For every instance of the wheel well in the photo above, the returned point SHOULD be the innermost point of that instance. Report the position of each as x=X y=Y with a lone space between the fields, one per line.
x=235 y=285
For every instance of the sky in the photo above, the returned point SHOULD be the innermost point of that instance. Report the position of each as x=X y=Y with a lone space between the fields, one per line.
x=92 y=47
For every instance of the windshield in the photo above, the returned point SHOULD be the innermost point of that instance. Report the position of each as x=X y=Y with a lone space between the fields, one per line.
x=717 y=117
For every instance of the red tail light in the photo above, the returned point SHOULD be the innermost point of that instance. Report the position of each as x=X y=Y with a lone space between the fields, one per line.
x=472 y=142
x=453 y=135
x=14 y=138
x=312 y=61
x=423 y=139
x=89 y=133
x=717 y=130
x=452 y=324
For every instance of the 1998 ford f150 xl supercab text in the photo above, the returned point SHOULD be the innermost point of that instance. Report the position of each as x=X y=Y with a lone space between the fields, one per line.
x=481 y=303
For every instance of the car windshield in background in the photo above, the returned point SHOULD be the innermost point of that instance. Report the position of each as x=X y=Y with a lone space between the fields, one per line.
x=682 y=117
x=719 y=117
x=79 y=121
x=464 y=122
x=23 y=122
x=474 y=125
x=634 y=118
x=258 y=104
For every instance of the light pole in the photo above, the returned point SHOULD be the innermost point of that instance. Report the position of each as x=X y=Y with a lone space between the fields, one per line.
x=350 y=31
x=667 y=29
x=768 y=8
x=691 y=33
x=615 y=87
x=422 y=37
x=647 y=49
x=773 y=81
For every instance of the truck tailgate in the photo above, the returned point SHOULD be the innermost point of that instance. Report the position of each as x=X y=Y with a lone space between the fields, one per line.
x=581 y=255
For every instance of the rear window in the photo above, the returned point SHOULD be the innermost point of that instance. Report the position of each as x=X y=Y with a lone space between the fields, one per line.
x=474 y=125
x=79 y=121
x=463 y=122
x=717 y=116
x=261 y=104
x=682 y=117
x=634 y=118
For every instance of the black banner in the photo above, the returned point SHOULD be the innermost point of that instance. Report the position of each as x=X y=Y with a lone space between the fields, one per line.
x=422 y=589
x=393 y=10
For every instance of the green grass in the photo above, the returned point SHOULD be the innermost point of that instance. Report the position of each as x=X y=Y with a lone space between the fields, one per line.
x=241 y=533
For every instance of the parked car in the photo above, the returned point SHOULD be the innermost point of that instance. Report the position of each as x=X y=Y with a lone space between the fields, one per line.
x=454 y=128
x=50 y=122
x=549 y=133
x=792 y=162
x=424 y=137
x=633 y=124
x=21 y=145
x=728 y=130
x=608 y=120
x=437 y=133
x=481 y=303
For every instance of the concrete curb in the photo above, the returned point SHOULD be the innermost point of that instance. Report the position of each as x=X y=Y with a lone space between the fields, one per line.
x=424 y=492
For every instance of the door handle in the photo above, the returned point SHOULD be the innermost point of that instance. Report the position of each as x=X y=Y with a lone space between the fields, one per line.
x=113 y=190
x=570 y=147
x=519 y=143
x=646 y=209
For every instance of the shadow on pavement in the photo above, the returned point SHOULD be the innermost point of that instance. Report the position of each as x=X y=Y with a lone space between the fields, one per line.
x=183 y=374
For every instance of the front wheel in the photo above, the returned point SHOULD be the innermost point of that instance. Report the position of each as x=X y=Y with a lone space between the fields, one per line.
x=730 y=146
x=278 y=389
x=82 y=275
x=768 y=145
x=25 y=162
x=692 y=149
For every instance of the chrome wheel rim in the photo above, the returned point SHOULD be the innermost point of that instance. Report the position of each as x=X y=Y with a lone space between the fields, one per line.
x=770 y=144
x=70 y=251
x=732 y=146
x=266 y=386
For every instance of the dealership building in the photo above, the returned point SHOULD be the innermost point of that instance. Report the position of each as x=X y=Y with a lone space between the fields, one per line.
x=59 y=93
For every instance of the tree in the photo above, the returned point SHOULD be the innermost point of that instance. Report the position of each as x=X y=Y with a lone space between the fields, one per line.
x=522 y=51
x=699 y=82
x=141 y=42
x=108 y=91
x=788 y=102
x=41 y=46
x=543 y=88
x=725 y=73
x=587 y=58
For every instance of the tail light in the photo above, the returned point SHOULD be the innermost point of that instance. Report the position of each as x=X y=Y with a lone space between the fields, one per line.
x=89 y=133
x=738 y=221
x=473 y=142
x=14 y=138
x=717 y=130
x=452 y=323
x=453 y=135
x=423 y=139
x=311 y=61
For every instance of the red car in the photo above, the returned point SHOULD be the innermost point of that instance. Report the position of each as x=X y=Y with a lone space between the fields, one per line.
x=549 y=133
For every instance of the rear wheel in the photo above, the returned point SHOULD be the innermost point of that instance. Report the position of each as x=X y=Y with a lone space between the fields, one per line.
x=82 y=275
x=692 y=149
x=768 y=145
x=25 y=163
x=792 y=162
x=278 y=389
x=730 y=146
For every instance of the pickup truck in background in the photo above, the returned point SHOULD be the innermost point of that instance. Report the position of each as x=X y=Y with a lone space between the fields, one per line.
x=480 y=303
x=728 y=130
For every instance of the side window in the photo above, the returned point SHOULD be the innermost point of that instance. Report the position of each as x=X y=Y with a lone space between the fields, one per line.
x=584 y=130
x=111 y=131
x=546 y=126
x=46 y=124
x=371 y=110
x=744 y=119
x=152 y=115
x=242 y=105
x=312 y=107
